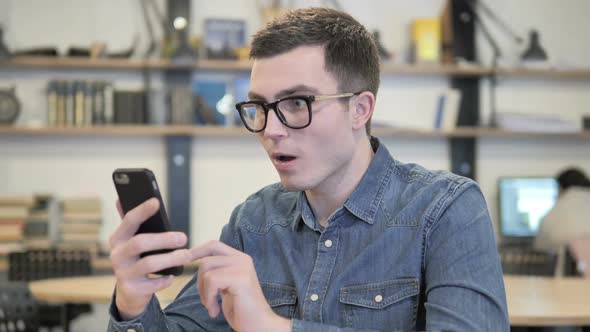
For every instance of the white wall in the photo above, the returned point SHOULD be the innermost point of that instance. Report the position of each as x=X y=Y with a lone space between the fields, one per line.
x=69 y=166
x=65 y=166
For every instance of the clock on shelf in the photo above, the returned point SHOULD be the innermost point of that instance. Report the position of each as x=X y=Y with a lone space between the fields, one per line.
x=9 y=106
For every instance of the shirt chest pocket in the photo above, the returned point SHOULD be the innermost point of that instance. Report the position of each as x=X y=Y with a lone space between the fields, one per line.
x=387 y=305
x=281 y=298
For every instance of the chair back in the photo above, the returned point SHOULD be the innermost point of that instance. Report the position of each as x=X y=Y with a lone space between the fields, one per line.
x=18 y=309
x=48 y=263
x=527 y=261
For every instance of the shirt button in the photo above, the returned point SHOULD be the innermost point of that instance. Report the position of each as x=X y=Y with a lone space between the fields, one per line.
x=378 y=298
x=314 y=297
x=328 y=243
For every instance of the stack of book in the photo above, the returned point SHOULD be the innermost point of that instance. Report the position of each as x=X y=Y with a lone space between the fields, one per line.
x=14 y=210
x=81 y=223
x=37 y=232
x=79 y=103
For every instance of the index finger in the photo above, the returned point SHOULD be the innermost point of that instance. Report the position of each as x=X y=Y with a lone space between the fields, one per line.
x=133 y=219
x=213 y=248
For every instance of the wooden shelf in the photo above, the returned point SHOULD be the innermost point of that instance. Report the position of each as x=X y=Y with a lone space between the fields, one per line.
x=245 y=65
x=205 y=64
x=545 y=73
x=129 y=130
x=473 y=132
x=71 y=63
x=452 y=70
x=214 y=131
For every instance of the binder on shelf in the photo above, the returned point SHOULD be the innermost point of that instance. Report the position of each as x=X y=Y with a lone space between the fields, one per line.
x=61 y=103
x=97 y=110
x=52 y=98
x=447 y=111
x=79 y=88
x=129 y=107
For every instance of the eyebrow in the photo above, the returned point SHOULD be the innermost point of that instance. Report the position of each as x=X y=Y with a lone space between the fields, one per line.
x=298 y=89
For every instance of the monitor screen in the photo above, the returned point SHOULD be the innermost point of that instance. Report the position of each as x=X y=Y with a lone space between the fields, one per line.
x=523 y=202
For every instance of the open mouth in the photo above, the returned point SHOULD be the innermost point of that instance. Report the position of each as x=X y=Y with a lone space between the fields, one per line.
x=284 y=158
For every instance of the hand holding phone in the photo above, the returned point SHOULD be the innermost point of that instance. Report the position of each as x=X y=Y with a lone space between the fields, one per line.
x=135 y=186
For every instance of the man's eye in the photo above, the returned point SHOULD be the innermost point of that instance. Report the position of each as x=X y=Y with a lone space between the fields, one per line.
x=294 y=104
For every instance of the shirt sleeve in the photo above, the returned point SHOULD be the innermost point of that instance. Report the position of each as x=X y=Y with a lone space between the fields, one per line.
x=464 y=285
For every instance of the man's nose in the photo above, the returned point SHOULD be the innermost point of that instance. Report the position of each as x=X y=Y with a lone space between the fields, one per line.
x=274 y=126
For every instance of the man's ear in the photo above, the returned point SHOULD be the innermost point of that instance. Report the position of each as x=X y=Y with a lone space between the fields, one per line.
x=361 y=108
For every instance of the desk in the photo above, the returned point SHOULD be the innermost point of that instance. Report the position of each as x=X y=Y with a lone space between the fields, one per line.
x=543 y=301
x=532 y=301
x=95 y=289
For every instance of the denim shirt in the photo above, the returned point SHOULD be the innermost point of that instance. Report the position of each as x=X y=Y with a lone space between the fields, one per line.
x=410 y=249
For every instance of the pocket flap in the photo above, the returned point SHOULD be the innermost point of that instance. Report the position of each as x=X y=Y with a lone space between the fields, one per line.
x=379 y=295
x=277 y=294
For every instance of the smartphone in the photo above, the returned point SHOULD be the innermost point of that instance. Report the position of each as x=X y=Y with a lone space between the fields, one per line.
x=135 y=186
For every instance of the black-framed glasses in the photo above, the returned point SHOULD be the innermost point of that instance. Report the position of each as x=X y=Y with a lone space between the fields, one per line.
x=293 y=111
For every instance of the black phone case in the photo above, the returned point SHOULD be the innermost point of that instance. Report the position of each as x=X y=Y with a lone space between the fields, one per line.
x=142 y=185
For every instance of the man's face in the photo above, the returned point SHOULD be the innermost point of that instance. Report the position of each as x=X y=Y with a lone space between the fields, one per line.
x=319 y=155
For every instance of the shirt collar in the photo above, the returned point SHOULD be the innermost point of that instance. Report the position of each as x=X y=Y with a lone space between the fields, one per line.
x=364 y=200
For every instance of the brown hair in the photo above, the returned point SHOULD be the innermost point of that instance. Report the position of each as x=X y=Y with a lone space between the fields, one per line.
x=350 y=51
x=572 y=177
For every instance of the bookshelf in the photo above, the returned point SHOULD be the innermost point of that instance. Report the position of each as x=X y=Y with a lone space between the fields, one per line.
x=178 y=138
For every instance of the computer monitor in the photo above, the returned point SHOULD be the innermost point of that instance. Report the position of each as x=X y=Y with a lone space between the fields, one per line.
x=523 y=202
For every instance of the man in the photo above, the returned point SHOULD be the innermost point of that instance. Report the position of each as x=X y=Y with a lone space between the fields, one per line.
x=568 y=218
x=350 y=239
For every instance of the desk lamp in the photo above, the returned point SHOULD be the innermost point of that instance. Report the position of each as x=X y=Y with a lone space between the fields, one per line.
x=475 y=5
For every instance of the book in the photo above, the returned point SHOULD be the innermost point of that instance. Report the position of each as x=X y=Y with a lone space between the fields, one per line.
x=447 y=50
x=80 y=237
x=52 y=103
x=426 y=40
x=81 y=204
x=97 y=109
x=223 y=37
x=538 y=123
x=36 y=228
x=70 y=117
x=82 y=217
x=18 y=200
x=13 y=212
x=10 y=232
x=181 y=106
x=447 y=112
x=82 y=228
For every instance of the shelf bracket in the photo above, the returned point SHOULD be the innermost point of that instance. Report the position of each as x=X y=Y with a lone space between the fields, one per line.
x=178 y=159
x=463 y=150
